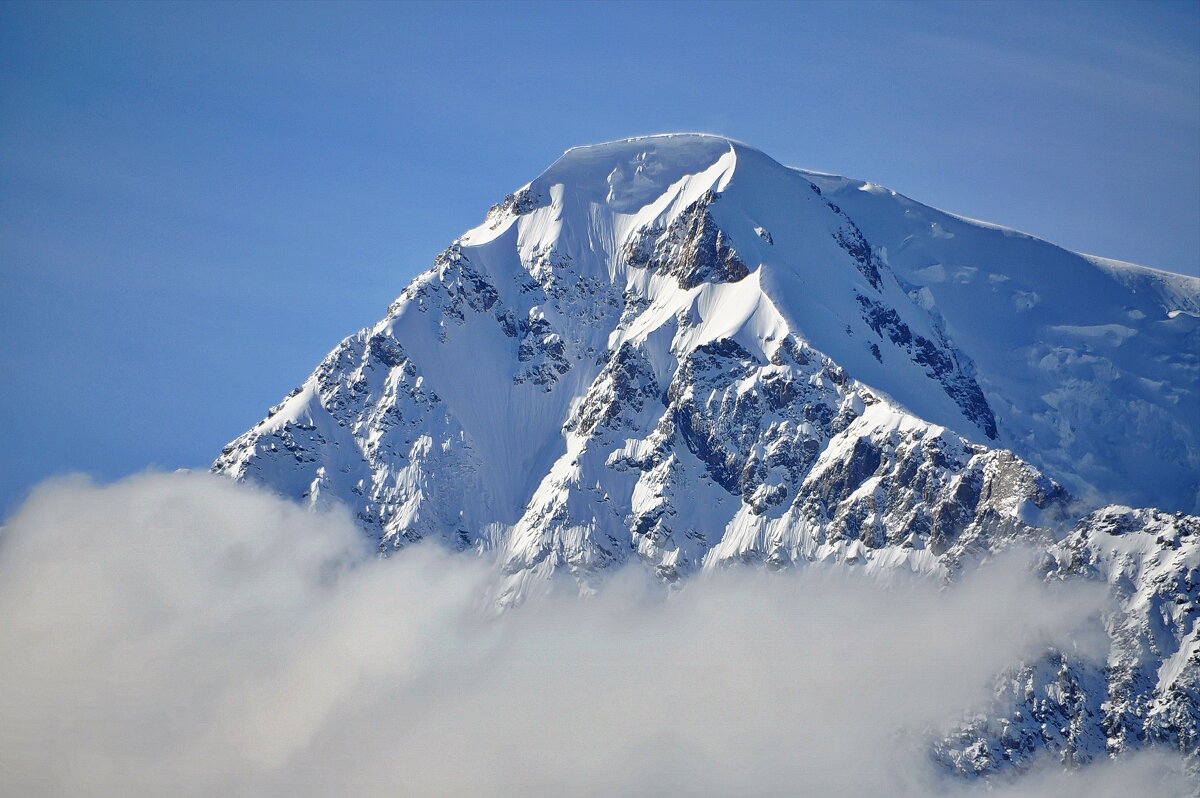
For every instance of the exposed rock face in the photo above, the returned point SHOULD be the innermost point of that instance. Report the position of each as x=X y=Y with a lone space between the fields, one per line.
x=623 y=365
x=692 y=248
x=1148 y=690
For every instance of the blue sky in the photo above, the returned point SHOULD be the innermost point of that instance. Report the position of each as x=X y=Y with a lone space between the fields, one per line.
x=198 y=201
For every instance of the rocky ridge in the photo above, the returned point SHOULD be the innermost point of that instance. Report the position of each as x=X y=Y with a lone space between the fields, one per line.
x=675 y=351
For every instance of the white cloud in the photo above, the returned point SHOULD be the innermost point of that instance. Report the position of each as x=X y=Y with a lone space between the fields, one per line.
x=176 y=634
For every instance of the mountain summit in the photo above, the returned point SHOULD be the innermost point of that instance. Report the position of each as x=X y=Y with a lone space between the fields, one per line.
x=676 y=350
x=687 y=299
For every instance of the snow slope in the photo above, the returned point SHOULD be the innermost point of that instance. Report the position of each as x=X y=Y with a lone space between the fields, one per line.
x=1084 y=368
x=1093 y=365
x=676 y=351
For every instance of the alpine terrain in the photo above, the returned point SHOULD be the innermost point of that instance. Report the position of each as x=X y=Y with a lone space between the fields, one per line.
x=676 y=351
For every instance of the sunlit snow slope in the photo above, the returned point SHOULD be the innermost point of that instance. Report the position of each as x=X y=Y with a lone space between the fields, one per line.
x=676 y=351
x=683 y=316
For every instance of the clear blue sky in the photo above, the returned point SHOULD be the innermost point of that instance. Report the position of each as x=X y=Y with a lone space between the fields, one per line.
x=198 y=201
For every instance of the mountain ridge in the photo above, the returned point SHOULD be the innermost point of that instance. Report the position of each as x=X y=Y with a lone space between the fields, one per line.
x=677 y=352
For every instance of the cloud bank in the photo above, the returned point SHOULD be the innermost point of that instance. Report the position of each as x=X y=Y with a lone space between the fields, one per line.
x=177 y=634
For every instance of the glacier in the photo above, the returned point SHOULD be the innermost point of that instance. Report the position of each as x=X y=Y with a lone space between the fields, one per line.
x=676 y=351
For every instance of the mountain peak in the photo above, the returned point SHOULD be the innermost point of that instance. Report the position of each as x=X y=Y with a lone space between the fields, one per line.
x=691 y=152
x=630 y=173
x=674 y=351
x=625 y=271
x=626 y=175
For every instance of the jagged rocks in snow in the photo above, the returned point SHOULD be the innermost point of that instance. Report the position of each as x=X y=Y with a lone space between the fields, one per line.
x=622 y=364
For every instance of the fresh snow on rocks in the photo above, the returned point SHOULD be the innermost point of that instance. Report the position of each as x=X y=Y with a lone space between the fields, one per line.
x=674 y=350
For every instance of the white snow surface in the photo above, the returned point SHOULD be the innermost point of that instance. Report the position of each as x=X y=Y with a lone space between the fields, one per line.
x=675 y=351
x=1093 y=374
x=537 y=392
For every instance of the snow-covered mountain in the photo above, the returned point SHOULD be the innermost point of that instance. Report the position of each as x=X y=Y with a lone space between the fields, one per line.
x=674 y=350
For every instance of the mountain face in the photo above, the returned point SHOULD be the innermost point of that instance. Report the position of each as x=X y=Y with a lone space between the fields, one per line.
x=676 y=351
